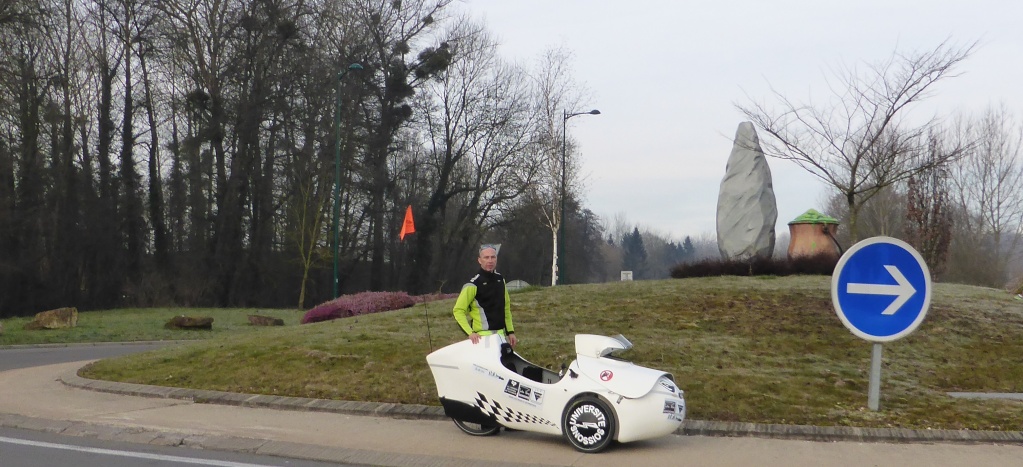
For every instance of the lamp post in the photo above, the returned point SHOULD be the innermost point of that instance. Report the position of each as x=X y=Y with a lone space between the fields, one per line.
x=337 y=173
x=564 y=157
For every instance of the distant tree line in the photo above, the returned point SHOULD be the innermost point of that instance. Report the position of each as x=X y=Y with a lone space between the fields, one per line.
x=952 y=187
x=964 y=217
x=186 y=152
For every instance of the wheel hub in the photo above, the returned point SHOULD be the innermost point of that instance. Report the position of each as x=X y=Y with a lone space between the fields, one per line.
x=587 y=424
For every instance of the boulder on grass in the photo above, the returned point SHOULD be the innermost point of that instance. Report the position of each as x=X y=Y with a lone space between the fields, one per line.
x=61 y=318
x=259 y=320
x=189 y=322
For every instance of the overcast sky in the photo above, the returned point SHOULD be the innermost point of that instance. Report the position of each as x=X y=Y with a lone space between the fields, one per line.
x=666 y=74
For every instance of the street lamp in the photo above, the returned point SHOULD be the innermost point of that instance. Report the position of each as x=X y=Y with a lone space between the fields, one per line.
x=564 y=152
x=337 y=173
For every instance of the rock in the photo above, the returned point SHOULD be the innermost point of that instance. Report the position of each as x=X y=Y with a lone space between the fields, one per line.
x=61 y=318
x=747 y=208
x=258 y=320
x=189 y=322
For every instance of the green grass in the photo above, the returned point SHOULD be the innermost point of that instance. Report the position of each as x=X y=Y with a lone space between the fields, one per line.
x=761 y=349
x=140 y=324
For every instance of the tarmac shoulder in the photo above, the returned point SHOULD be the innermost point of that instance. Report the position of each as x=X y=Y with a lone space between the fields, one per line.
x=423 y=412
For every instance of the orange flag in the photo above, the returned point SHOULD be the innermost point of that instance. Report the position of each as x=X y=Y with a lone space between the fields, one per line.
x=408 y=226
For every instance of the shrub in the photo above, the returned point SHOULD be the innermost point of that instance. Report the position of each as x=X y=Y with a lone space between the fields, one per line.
x=819 y=264
x=358 y=304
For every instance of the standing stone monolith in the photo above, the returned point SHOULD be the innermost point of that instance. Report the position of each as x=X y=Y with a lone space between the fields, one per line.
x=747 y=209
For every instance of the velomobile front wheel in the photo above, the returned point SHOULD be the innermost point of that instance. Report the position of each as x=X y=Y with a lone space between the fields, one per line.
x=589 y=424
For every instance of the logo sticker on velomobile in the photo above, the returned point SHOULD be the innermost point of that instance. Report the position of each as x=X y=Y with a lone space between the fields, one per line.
x=512 y=388
x=676 y=410
x=486 y=372
x=538 y=396
x=528 y=394
x=525 y=392
x=606 y=375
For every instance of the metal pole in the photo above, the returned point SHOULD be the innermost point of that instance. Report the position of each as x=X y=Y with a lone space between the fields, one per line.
x=874 y=394
x=337 y=181
x=337 y=175
x=564 y=168
x=561 y=220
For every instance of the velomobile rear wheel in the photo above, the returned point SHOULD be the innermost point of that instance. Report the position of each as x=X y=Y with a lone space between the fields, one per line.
x=477 y=429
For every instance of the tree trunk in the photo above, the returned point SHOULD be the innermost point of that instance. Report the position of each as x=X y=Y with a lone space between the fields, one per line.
x=157 y=215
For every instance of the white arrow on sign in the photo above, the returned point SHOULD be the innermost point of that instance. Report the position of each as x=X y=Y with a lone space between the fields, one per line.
x=904 y=290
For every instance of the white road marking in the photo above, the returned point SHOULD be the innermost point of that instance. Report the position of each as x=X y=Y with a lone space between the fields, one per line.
x=138 y=455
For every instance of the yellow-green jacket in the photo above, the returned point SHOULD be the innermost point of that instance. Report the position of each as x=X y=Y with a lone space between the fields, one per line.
x=483 y=306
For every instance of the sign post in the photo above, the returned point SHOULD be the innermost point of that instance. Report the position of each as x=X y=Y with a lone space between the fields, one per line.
x=881 y=290
x=874 y=390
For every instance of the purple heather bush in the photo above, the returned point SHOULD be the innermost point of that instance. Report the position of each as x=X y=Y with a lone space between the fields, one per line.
x=358 y=304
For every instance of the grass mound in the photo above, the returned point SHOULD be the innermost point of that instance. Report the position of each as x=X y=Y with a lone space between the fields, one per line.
x=754 y=349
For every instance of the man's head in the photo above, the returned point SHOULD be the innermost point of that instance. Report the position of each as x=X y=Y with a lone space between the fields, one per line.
x=488 y=257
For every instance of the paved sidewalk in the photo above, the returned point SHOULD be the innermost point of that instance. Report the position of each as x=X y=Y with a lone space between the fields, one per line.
x=54 y=399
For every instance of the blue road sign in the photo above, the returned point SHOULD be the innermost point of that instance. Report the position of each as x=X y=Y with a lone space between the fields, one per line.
x=881 y=289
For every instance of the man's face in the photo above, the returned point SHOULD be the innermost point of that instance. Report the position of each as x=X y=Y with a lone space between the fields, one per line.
x=488 y=259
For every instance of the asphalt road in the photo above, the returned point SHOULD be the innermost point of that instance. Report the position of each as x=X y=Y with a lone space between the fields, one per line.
x=25 y=357
x=372 y=440
x=23 y=448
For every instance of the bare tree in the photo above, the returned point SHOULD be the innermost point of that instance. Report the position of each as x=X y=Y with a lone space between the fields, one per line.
x=556 y=93
x=929 y=212
x=882 y=214
x=861 y=140
x=392 y=75
x=988 y=190
x=15 y=10
x=475 y=122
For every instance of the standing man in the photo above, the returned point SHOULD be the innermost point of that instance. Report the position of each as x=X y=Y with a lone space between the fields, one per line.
x=483 y=307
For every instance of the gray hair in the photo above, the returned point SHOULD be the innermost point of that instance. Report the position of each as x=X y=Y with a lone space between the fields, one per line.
x=495 y=246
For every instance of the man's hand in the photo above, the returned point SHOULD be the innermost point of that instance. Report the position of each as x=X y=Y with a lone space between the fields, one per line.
x=512 y=340
x=475 y=338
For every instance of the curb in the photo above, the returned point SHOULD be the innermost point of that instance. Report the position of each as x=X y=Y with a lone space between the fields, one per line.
x=427 y=412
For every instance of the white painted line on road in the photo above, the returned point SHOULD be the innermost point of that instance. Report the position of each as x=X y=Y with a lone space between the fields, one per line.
x=138 y=455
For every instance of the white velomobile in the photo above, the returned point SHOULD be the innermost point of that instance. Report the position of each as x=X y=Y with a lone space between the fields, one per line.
x=594 y=400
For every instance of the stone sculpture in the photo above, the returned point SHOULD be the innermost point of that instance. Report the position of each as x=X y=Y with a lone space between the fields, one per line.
x=747 y=209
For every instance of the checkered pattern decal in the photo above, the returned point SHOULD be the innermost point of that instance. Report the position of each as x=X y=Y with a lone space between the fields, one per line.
x=492 y=407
